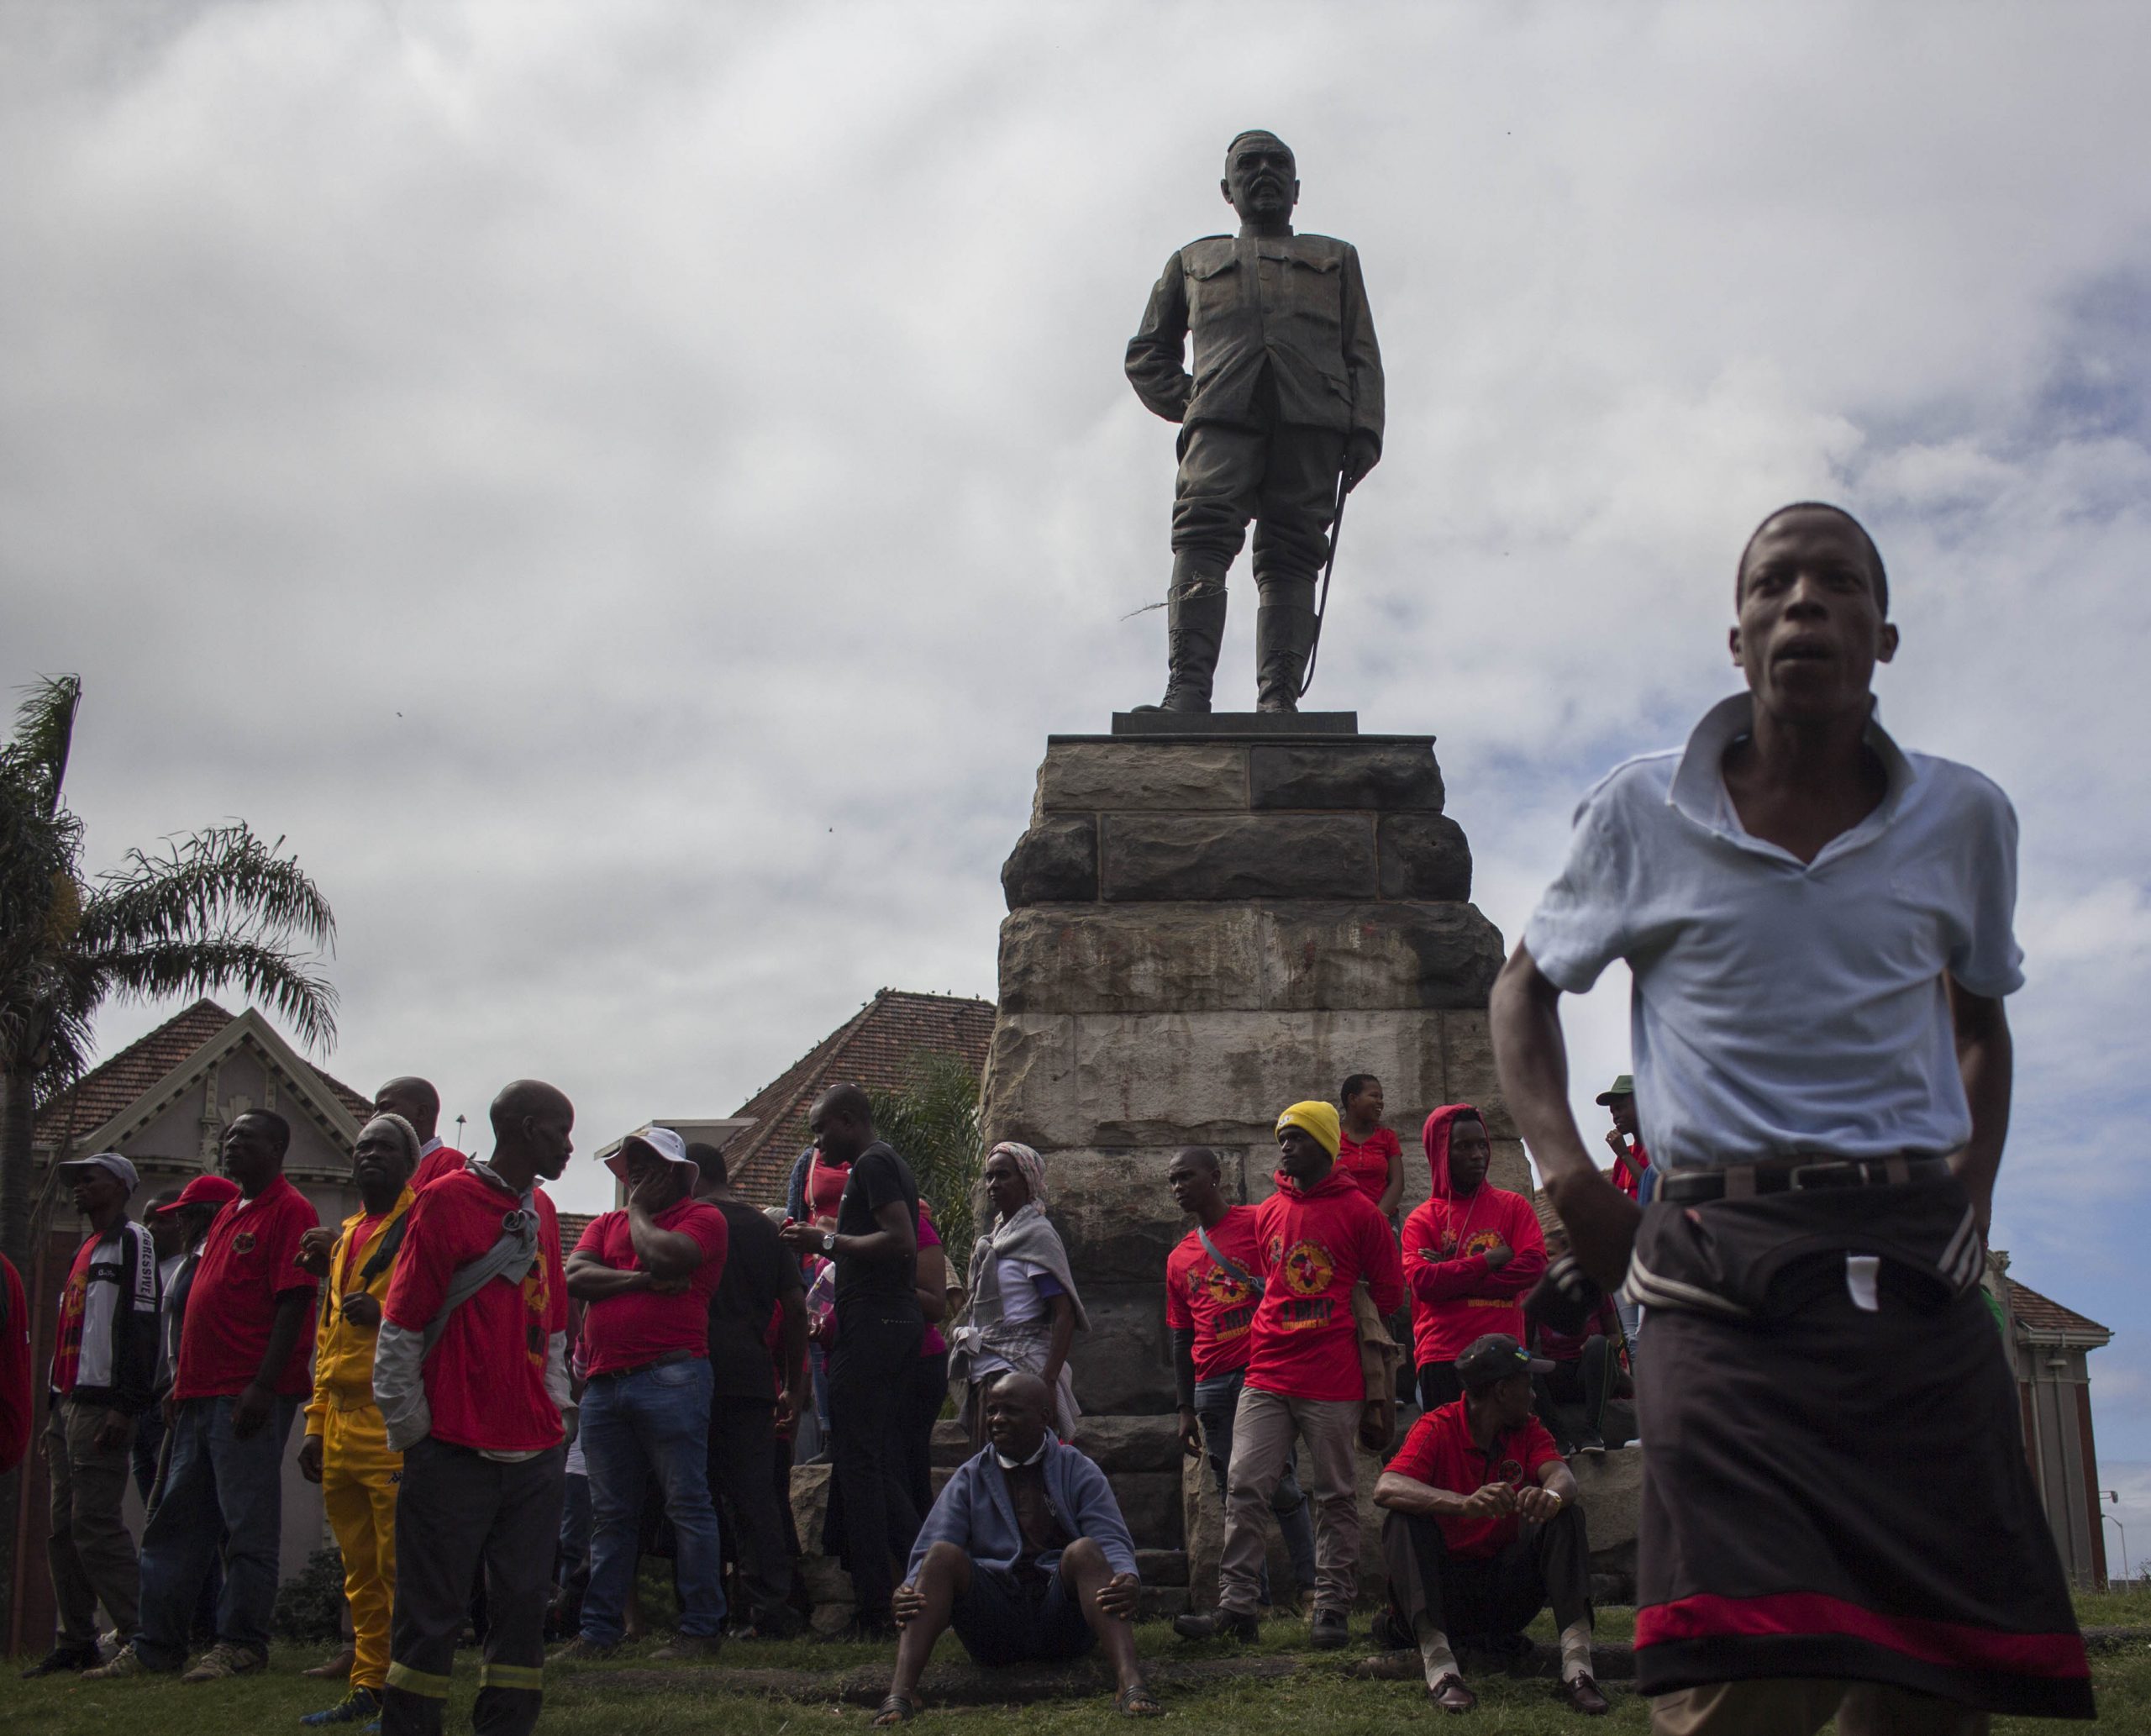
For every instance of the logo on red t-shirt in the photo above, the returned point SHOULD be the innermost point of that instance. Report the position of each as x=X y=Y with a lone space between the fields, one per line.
x=537 y=1340
x=243 y=1243
x=1308 y=1268
x=1220 y=1286
x=1478 y=1242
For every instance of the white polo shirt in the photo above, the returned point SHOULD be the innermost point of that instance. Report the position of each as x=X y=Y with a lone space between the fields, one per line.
x=1782 y=1007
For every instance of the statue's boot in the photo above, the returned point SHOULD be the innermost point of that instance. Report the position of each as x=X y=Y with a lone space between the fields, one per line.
x=1284 y=636
x=1195 y=629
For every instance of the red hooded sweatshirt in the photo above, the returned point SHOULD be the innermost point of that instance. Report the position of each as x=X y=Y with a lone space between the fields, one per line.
x=1313 y=1247
x=1455 y=1298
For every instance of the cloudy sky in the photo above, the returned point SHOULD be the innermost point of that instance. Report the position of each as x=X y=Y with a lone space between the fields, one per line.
x=626 y=490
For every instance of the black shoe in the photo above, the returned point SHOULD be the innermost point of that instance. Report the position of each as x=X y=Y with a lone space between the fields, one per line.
x=1330 y=1630
x=1384 y=1634
x=1218 y=1625
x=63 y=1657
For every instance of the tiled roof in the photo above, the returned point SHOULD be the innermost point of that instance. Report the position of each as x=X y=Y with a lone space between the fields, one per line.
x=110 y=1086
x=2042 y=1314
x=875 y=1048
x=572 y=1225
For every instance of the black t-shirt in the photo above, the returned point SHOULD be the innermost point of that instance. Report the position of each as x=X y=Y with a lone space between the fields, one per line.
x=878 y=1176
x=757 y=1271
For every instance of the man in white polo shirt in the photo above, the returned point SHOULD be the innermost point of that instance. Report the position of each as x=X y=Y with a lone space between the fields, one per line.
x=1837 y=1519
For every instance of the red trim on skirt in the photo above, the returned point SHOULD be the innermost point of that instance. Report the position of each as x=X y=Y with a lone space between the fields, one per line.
x=1813 y=1614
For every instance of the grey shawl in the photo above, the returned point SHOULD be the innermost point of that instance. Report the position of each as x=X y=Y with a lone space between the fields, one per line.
x=1029 y=1237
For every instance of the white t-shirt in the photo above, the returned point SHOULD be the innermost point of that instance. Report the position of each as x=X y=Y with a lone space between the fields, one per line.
x=1779 y=1007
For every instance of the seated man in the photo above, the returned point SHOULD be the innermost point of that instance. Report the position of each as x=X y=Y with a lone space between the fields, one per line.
x=1587 y=1372
x=1484 y=1529
x=1025 y=1555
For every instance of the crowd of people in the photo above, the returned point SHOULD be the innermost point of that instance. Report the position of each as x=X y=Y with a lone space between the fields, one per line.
x=1819 y=927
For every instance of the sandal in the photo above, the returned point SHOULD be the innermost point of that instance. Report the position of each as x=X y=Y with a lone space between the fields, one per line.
x=896 y=1709
x=1138 y=1701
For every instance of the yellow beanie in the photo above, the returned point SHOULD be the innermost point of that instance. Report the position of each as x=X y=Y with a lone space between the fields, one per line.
x=1319 y=1120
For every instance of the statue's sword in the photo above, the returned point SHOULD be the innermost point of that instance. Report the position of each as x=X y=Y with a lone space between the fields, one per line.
x=1321 y=606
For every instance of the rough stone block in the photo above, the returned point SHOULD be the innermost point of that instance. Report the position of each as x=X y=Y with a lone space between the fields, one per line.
x=1123 y=1366
x=1056 y=861
x=1612 y=1488
x=1115 y=1214
x=1104 y=958
x=1468 y=1068
x=1116 y=777
x=1167 y=1079
x=1366 y=956
x=1389 y=777
x=1029 y=1090
x=1162 y=1567
x=1119 y=1444
x=1424 y=856
x=1204 y=856
x=810 y=1503
x=1149 y=1500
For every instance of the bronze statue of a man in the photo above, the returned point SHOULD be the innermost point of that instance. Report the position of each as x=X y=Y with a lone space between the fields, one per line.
x=1285 y=401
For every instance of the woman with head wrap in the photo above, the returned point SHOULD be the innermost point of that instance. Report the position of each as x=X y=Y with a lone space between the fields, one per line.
x=1023 y=1311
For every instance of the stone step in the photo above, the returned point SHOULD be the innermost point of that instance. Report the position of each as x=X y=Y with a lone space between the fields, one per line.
x=1116 y=1444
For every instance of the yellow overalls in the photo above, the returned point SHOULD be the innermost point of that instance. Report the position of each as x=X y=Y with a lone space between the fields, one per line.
x=359 y=1473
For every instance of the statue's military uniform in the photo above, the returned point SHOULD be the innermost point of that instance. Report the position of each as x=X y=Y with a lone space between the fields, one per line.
x=1286 y=371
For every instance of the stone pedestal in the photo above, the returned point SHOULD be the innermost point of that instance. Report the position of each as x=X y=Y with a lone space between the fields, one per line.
x=1210 y=918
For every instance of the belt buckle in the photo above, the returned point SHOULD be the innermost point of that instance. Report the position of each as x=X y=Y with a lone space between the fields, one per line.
x=1847 y=1174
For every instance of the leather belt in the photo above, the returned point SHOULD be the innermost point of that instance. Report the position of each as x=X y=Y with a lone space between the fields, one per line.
x=1798 y=1175
x=644 y=1368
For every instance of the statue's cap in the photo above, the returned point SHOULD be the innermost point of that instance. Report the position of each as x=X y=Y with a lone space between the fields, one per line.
x=1262 y=134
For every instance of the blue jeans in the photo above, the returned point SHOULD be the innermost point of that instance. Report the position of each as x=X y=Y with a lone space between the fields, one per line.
x=1215 y=1401
x=215 y=1485
x=653 y=1422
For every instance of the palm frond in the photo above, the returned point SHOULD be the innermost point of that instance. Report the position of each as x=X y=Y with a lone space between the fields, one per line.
x=268 y=975
x=220 y=884
x=45 y=729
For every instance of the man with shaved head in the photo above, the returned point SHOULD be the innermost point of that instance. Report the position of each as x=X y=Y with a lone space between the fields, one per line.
x=1285 y=398
x=1838 y=1520
x=1025 y=1554
x=470 y=1373
x=418 y=1103
x=878 y=1325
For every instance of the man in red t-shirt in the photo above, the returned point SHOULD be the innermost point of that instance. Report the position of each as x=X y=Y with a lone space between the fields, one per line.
x=1317 y=1237
x=1485 y=1528
x=1471 y=1253
x=418 y=1103
x=471 y=1372
x=1631 y=1165
x=1366 y=1150
x=1209 y=1310
x=645 y=1275
x=242 y=1374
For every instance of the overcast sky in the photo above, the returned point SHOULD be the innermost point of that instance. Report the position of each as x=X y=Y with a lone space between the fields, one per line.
x=626 y=490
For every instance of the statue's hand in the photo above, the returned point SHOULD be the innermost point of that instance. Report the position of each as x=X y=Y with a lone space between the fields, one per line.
x=1361 y=454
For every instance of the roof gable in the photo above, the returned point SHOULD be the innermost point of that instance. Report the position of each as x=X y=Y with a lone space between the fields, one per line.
x=121 y=1095
x=2042 y=1317
x=876 y=1048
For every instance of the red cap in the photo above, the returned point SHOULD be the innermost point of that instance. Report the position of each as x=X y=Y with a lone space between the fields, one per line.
x=218 y=1191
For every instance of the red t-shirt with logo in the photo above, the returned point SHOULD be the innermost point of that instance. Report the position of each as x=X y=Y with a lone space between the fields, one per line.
x=1440 y=1453
x=485 y=1379
x=1314 y=1246
x=247 y=1266
x=1628 y=1179
x=1367 y=1161
x=642 y=1325
x=1203 y=1297
x=74 y=1300
x=1456 y=1298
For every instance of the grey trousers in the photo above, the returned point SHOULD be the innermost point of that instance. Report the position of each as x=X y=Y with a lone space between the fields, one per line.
x=1262 y=1429
x=89 y=1548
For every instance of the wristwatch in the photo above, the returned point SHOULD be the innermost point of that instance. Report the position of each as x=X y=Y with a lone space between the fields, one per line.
x=828 y=1241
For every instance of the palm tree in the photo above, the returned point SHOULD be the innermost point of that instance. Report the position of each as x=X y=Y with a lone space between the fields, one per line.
x=221 y=908
x=933 y=1120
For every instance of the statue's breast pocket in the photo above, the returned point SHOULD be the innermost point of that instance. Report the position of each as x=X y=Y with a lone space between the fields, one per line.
x=1311 y=292
x=1214 y=288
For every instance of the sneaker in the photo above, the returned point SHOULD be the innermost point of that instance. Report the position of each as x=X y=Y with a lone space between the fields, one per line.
x=1590 y=1444
x=360 y=1705
x=1330 y=1630
x=1218 y=1625
x=224 y=1659
x=63 y=1657
x=127 y=1663
x=684 y=1646
x=581 y=1650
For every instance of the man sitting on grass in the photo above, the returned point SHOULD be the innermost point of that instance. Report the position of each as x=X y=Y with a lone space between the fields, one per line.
x=1025 y=1555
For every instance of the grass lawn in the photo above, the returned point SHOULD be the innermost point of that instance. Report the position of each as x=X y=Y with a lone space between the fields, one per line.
x=1322 y=1700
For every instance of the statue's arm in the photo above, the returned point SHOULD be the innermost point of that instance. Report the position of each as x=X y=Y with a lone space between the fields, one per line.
x=1155 y=354
x=1362 y=354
